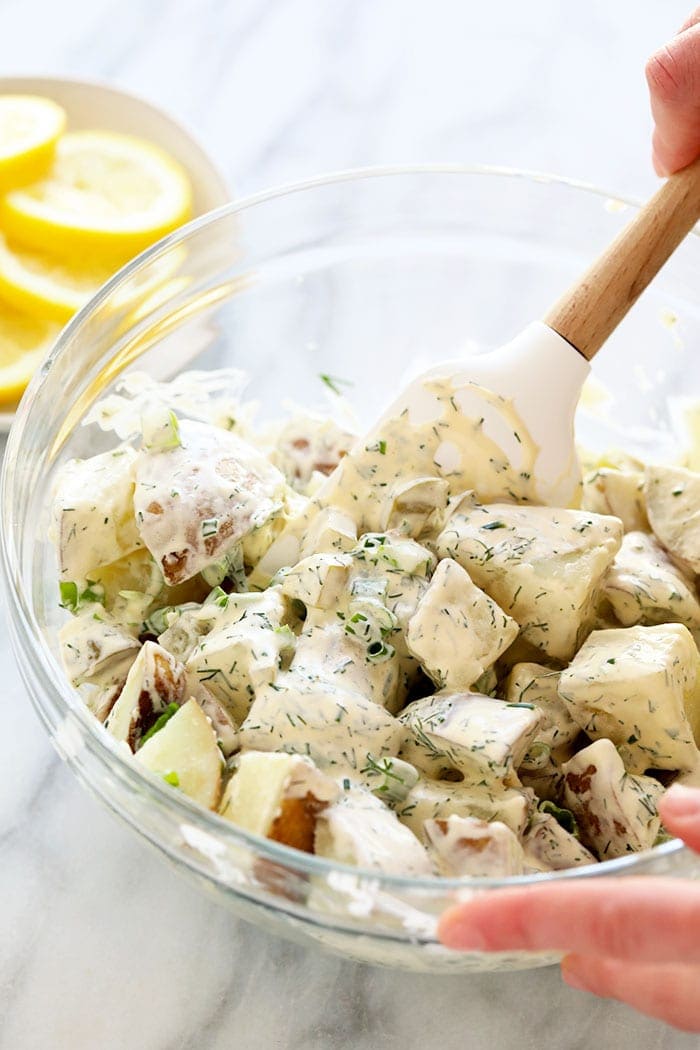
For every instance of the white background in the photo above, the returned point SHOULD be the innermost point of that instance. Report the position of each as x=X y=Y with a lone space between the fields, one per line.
x=101 y=945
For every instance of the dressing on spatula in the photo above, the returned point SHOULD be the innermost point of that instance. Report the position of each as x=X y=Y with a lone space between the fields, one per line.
x=501 y=424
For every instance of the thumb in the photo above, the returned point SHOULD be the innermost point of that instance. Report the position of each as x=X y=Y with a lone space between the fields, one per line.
x=673 y=77
x=680 y=813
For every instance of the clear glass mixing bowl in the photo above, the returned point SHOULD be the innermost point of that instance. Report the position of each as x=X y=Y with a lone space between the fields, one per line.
x=360 y=276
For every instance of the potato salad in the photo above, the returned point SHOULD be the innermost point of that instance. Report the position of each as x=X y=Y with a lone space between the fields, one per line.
x=380 y=650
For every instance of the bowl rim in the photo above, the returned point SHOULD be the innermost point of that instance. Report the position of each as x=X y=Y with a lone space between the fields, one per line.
x=109 y=756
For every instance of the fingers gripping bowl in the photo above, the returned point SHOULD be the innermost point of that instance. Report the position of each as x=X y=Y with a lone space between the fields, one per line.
x=347 y=278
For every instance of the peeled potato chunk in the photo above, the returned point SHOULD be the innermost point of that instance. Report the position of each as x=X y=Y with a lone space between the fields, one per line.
x=636 y=686
x=481 y=738
x=241 y=652
x=97 y=652
x=617 y=492
x=544 y=566
x=186 y=754
x=644 y=586
x=310 y=716
x=93 y=513
x=457 y=632
x=673 y=505
x=530 y=683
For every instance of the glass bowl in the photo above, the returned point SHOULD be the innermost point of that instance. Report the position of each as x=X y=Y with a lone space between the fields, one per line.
x=360 y=276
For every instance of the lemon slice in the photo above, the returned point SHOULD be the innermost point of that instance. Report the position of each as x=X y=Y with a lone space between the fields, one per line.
x=29 y=130
x=46 y=287
x=24 y=342
x=106 y=195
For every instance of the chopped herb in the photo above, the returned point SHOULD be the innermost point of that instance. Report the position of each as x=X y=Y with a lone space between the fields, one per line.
x=69 y=595
x=334 y=382
x=172 y=778
x=162 y=720
x=210 y=527
x=564 y=817
x=491 y=525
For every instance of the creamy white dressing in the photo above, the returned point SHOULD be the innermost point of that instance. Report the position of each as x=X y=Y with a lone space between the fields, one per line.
x=355 y=649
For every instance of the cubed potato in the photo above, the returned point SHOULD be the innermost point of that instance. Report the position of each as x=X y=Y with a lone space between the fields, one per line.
x=241 y=652
x=543 y=566
x=482 y=738
x=97 y=653
x=184 y=632
x=617 y=492
x=278 y=796
x=394 y=552
x=331 y=532
x=632 y=685
x=469 y=846
x=531 y=683
x=136 y=579
x=95 y=648
x=388 y=579
x=437 y=799
x=550 y=847
x=545 y=782
x=457 y=632
x=359 y=830
x=616 y=811
x=339 y=653
x=315 y=717
x=673 y=505
x=155 y=680
x=308 y=445
x=318 y=581
x=186 y=754
x=195 y=502
x=93 y=513
x=644 y=586
x=221 y=721
x=414 y=506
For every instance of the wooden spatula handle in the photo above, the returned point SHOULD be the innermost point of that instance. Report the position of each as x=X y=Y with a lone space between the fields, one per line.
x=593 y=307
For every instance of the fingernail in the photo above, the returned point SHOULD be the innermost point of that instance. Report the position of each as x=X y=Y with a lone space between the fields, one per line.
x=682 y=801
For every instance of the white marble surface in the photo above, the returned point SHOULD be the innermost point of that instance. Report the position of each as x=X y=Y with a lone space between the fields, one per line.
x=101 y=945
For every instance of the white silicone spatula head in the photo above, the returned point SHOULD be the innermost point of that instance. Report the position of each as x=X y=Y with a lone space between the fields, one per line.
x=541 y=372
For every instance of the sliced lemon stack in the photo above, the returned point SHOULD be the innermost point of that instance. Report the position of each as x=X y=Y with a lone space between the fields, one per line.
x=45 y=286
x=110 y=195
x=29 y=130
x=73 y=208
x=24 y=342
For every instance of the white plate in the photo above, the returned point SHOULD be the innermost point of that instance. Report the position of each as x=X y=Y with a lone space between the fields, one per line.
x=91 y=105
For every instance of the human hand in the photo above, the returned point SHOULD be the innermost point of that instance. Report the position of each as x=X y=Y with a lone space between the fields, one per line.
x=636 y=939
x=673 y=76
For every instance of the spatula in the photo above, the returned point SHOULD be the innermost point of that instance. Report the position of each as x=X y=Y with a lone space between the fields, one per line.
x=501 y=424
x=541 y=371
